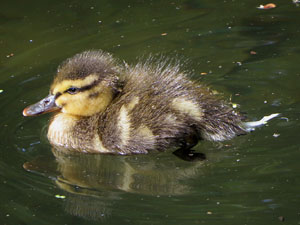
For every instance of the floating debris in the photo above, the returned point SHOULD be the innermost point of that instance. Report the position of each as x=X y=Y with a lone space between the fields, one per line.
x=276 y=135
x=253 y=52
x=209 y=213
x=164 y=34
x=281 y=218
x=10 y=55
x=234 y=105
x=250 y=126
x=267 y=6
x=285 y=118
x=1 y=91
x=203 y=73
x=60 y=196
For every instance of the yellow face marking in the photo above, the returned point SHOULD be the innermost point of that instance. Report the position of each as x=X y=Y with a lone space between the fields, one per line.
x=187 y=107
x=81 y=104
x=124 y=125
x=66 y=84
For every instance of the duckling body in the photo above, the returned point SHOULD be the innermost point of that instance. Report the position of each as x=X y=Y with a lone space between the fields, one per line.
x=104 y=107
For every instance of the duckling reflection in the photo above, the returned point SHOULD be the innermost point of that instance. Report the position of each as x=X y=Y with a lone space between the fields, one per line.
x=142 y=174
x=94 y=182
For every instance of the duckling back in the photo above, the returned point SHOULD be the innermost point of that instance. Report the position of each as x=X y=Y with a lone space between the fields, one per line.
x=160 y=108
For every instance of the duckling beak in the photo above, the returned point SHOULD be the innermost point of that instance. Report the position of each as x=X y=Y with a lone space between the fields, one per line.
x=44 y=106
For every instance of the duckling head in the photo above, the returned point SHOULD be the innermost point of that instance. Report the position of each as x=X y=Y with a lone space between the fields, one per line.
x=84 y=85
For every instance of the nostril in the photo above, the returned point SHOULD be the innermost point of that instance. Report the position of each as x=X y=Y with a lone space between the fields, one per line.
x=46 y=102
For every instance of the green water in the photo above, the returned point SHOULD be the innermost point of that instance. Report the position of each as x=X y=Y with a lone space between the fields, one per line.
x=252 y=179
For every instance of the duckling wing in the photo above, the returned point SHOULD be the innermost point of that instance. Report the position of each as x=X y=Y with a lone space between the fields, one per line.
x=160 y=108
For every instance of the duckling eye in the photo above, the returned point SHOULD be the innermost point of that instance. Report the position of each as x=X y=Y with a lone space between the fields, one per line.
x=72 y=90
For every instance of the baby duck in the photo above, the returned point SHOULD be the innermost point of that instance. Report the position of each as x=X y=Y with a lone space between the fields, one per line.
x=103 y=106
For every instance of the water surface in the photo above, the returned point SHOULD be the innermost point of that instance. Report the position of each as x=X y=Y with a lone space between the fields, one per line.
x=250 y=55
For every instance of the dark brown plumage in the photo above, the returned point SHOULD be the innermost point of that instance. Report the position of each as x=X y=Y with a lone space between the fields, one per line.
x=157 y=87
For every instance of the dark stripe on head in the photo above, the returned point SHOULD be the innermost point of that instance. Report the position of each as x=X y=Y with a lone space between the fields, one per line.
x=94 y=95
x=89 y=86
x=57 y=95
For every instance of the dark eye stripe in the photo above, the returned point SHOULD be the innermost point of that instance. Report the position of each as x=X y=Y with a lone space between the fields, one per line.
x=57 y=95
x=89 y=86
x=80 y=89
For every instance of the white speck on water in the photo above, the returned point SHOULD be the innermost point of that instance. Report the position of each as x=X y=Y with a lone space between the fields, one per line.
x=285 y=118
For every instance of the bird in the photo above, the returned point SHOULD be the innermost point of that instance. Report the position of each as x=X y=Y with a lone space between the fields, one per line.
x=103 y=105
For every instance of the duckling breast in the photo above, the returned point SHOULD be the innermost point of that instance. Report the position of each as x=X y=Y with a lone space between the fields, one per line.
x=76 y=134
x=60 y=130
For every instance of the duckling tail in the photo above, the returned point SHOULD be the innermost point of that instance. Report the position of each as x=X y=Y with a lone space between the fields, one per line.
x=250 y=126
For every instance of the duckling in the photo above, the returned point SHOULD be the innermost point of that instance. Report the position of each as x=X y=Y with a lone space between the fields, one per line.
x=103 y=106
